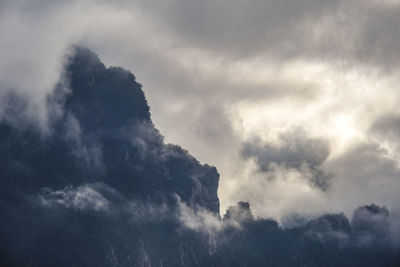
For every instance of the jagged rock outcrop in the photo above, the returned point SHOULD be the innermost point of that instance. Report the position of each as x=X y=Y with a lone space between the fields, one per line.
x=101 y=182
x=371 y=225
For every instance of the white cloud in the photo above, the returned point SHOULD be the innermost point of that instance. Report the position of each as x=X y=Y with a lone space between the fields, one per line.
x=85 y=198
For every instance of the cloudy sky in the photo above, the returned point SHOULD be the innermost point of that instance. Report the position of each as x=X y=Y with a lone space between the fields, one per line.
x=294 y=101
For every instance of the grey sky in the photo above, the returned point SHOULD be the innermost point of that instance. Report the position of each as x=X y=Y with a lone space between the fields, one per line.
x=220 y=74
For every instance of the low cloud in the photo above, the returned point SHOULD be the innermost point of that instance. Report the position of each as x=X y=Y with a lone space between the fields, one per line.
x=203 y=221
x=82 y=198
x=83 y=147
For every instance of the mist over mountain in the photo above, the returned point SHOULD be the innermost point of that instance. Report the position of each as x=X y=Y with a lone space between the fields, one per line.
x=100 y=187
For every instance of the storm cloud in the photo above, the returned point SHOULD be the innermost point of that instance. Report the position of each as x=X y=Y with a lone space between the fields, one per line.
x=90 y=181
x=292 y=150
x=219 y=75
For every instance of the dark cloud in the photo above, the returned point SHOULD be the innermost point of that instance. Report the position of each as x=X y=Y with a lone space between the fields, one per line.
x=150 y=203
x=387 y=128
x=366 y=165
x=235 y=27
x=361 y=31
x=294 y=149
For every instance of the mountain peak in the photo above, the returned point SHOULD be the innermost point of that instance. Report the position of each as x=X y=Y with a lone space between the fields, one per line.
x=103 y=98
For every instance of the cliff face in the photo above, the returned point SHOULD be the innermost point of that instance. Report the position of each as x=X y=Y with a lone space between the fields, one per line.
x=105 y=135
x=101 y=188
x=113 y=115
x=102 y=179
